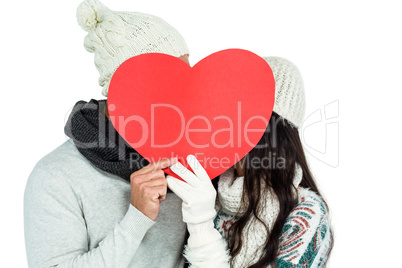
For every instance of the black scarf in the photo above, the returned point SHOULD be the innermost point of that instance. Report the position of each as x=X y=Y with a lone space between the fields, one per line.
x=97 y=139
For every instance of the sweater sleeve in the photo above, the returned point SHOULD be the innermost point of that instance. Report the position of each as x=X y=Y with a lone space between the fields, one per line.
x=305 y=238
x=304 y=241
x=205 y=247
x=55 y=228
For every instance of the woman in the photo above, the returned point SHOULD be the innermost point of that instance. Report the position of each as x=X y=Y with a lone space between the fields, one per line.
x=270 y=214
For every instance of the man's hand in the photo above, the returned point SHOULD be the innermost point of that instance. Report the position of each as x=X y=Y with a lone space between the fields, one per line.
x=149 y=187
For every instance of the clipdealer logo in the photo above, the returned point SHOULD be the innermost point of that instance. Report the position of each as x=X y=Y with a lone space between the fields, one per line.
x=320 y=134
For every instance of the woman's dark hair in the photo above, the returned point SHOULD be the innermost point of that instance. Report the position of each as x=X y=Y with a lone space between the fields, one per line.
x=277 y=152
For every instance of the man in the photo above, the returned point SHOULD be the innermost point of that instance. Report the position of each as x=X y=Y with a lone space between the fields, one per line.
x=94 y=201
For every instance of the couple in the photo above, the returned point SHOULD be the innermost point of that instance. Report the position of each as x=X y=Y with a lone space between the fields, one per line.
x=95 y=202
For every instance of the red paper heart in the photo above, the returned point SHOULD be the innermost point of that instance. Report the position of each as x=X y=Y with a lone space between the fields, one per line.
x=156 y=102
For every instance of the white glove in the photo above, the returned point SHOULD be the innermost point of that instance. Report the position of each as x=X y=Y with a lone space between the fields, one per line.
x=198 y=193
x=205 y=246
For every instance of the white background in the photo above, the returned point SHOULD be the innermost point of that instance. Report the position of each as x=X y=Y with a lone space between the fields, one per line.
x=349 y=53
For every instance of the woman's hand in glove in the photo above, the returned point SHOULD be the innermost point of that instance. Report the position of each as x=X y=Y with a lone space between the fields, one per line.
x=205 y=246
x=197 y=192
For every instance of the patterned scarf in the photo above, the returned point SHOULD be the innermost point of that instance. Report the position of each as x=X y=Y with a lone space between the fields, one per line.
x=96 y=139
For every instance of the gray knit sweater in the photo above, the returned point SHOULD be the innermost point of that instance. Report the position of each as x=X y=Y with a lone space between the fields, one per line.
x=77 y=215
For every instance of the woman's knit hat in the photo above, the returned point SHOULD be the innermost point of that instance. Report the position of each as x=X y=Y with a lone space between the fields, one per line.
x=289 y=91
x=115 y=37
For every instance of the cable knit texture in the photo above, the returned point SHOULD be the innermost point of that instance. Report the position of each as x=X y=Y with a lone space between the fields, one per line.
x=289 y=90
x=203 y=238
x=230 y=192
x=116 y=36
x=305 y=237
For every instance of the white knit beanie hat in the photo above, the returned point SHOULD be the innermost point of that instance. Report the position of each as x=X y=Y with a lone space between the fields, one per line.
x=289 y=91
x=115 y=37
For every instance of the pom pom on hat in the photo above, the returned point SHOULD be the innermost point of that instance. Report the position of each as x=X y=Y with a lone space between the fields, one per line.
x=115 y=36
x=87 y=14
